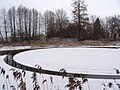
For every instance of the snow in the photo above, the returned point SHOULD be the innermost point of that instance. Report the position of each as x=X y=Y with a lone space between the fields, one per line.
x=81 y=60
x=14 y=47
x=7 y=68
x=58 y=80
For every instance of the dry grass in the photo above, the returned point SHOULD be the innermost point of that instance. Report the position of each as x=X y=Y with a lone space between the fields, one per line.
x=61 y=43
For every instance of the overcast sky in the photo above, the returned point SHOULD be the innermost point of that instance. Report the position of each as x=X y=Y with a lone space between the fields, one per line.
x=101 y=8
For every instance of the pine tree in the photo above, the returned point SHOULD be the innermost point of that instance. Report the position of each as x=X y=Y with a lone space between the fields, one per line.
x=97 y=30
x=80 y=16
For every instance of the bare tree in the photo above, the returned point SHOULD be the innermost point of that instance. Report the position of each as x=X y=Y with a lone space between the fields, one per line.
x=5 y=24
x=1 y=36
x=61 y=21
x=10 y=24
x=40 y=24
x=34 y=23
x=50 y=23
x=20 y=22
x=93 y=18
x=26 y=18
x=113 y=24
x=46 y=22
x=14 y=22
x=30 y=22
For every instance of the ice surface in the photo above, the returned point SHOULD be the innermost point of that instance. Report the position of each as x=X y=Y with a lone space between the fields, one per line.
x=81 y=60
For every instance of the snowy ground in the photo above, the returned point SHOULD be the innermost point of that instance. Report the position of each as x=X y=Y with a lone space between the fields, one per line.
x=14 y=47
x=58 y=80
x=81 y=60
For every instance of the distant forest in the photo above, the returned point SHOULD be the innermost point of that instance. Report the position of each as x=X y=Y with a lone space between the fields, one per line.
x=21 y=23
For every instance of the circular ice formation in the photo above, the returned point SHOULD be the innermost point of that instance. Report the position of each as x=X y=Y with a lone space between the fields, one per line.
x=80 y=60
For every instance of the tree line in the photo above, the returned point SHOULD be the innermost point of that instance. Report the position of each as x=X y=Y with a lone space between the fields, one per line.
x=21 y=23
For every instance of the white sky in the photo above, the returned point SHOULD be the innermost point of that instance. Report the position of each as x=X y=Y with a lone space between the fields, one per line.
x=101 y=8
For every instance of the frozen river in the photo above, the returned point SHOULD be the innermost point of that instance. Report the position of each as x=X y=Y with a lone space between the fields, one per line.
x=80 y=60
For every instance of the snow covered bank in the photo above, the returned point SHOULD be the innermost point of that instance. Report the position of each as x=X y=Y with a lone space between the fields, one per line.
x=14 y=47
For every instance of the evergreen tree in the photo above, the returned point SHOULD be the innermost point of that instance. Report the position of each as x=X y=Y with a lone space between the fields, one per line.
x=80 y=16
x=97 y=30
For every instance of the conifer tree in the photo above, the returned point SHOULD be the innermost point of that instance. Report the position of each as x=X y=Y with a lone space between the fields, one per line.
x=80 y=16
x=97 y=30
